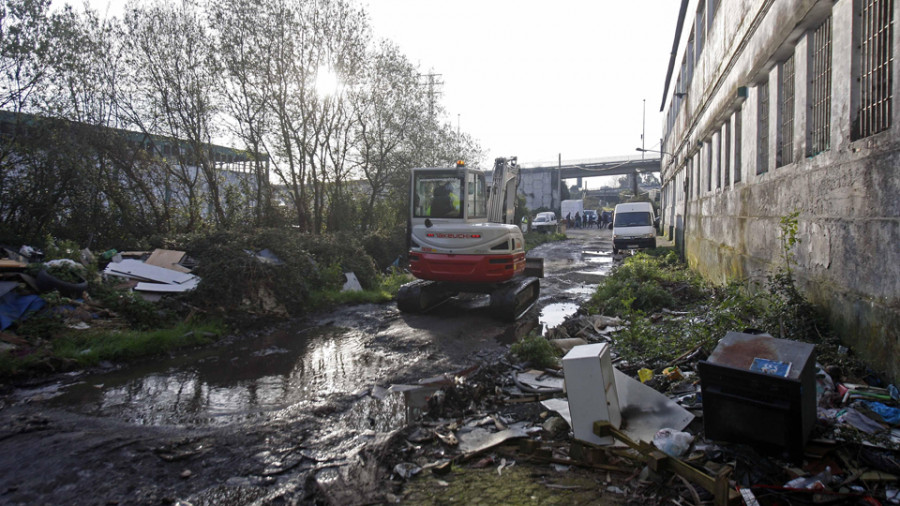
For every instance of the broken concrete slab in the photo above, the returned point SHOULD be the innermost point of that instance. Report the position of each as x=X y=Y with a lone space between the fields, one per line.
x=135 y=269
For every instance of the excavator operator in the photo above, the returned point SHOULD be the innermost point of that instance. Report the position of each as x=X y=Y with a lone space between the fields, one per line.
x=445 y=203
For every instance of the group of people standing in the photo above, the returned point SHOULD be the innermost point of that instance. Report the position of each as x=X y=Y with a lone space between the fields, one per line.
x=579 y=221
x=588 y=220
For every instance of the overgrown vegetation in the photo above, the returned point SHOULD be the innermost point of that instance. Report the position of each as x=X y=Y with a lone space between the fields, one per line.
x=670 y=310
x=307 y=275
x=646 y=282
x=299 y=273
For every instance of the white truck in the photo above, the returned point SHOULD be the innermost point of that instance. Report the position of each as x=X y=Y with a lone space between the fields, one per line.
x=568 y=209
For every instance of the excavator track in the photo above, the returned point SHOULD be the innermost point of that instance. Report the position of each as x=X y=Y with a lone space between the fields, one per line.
x=509 y=300
x=421 y=296
x=515 y=297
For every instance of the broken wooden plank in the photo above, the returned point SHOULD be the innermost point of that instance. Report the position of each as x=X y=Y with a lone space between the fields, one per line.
x=167 y=259
x=657 y=460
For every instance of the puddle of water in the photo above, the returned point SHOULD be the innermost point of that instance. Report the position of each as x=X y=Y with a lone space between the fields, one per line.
x=246 y=381
x=554 y=314
x=601 y=272
x=581 y=290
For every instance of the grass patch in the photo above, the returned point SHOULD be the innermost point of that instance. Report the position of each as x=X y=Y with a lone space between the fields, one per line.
x=388 y=286
x=85 y=348
x=88 y=348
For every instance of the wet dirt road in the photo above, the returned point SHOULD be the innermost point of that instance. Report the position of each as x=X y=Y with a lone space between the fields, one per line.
x=294 y=414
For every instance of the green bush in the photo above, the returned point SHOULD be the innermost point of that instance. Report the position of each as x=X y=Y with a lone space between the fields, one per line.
x=139 y=313
x=233 y=277
x=641 y=286
x=385 y=246
x=535 y=350
x=645 y=283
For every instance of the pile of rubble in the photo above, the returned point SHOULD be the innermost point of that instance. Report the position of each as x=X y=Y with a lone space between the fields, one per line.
x=755 y=420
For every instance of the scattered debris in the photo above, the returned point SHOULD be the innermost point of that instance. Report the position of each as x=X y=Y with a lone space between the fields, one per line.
x=473 y=420
x=351 y=284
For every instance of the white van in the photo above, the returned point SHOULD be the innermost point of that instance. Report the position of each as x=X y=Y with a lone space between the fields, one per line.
x=544 y=222
x=633 y=226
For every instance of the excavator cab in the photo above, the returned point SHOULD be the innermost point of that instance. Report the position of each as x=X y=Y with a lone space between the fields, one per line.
x=448 y=194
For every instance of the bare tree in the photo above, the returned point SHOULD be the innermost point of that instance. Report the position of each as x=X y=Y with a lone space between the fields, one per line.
x=24 y=52
x=389 y=111
x=172 y=89
x=310 y=38
x=244 y=49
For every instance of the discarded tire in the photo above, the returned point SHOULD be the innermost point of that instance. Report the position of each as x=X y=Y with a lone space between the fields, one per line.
x=46 y=282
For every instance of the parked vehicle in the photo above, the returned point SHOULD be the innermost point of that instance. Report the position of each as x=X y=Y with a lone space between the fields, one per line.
x=633 y=226
x=591 y=217
x=544 y=222
x=569 y=208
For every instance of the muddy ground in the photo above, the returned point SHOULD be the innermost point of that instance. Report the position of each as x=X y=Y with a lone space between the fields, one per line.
x=297 y=413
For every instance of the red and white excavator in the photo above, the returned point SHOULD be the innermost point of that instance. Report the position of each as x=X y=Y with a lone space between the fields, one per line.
x=462 y=239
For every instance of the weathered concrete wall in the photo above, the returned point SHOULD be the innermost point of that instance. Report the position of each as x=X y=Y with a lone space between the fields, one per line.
x=540 y=188
x=849 y=255
x=848 y=197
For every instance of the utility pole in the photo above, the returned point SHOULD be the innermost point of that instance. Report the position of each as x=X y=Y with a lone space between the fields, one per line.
x=643 y=131
x=432 y=81
x=558 y=183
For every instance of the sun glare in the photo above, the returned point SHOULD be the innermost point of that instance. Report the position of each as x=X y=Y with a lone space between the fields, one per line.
x=326 y=81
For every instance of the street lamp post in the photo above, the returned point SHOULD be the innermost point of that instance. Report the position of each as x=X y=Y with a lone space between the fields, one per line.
x=642 y=150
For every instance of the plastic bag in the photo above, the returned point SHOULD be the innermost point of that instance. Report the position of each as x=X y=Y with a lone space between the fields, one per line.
x=673 y=442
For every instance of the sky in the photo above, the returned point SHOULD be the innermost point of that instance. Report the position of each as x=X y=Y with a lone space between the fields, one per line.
x=536 y=79
x=539 y=79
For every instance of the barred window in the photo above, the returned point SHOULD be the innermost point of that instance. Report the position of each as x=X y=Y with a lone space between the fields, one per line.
x=785 y=154
x=738 y=122
x=690 y=172
x=698 y=157
x=727 y=156
x=689 y=53
x=819 y=95
x=700 y=26
x=873 y=37
x=719 y=159
x=762 y=128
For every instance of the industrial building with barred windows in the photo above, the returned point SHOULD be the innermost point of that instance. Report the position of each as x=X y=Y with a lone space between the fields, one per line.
x=779 y=107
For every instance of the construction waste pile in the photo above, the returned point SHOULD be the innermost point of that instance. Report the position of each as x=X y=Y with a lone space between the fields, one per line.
x=27 y=283
x=755 y=421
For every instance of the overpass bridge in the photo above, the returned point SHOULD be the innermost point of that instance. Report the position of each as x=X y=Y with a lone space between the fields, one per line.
x=540 y=182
